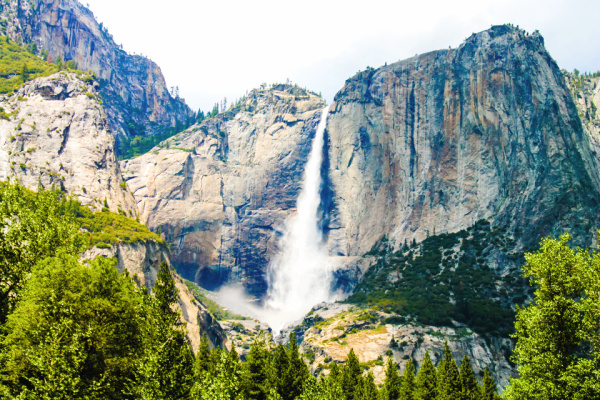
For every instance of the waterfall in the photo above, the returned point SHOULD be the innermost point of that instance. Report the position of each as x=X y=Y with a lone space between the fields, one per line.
x=299 y=276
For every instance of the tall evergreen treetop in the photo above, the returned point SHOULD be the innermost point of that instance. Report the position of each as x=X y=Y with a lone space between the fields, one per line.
x=448 y=378
x=407 y=390
x=391 y=383
x=351 y=376
x=468 y=381
x=426 y=384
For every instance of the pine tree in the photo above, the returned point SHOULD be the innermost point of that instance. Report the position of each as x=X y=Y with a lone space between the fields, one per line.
x=426 y=385
x=166 y=369
x=488 y=389
x=366 y=389
x=351 y=376
x=468 y=381
x=334 y=372
x=279 y=372
x=298 y=370
x=223 y=382
x=391 y=383
x=203 y=356
x=255 y=377
x=558 y=334
x=407 y=390
x=448 y=382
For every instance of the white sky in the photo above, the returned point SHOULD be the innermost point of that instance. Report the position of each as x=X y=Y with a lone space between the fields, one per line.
x=215 y=49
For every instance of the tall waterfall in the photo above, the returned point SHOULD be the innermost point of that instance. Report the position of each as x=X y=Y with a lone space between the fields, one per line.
x=300 y=277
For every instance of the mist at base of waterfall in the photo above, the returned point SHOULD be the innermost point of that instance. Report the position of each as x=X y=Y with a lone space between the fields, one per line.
x=300 y=276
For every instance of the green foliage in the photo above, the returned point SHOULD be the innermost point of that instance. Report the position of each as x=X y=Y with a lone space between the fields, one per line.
x=557 y=350
x=448 y=378
x=488 y=389
x=350 y=377
x=391 y=383
x=222 y=382
x=367 y=390
x=426 y=384
x=74 y=334
x=138 y=143
x=165 y=368
x=106 y=228
x=32 y=228
x=220 y=313
x=468 y=381
x=19 y=64
x=407 y=391
x=255 y=374
x=443 y=278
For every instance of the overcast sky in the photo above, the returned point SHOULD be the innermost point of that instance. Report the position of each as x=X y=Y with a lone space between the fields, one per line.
x=215 y=49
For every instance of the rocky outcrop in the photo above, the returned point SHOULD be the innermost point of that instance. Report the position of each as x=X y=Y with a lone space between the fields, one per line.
x=334 y=329
x=58 y=136
x=142 y=261
x=586 y=94
x=220 y=191
x=133 y=88
x=427 y=145
x=439 y=141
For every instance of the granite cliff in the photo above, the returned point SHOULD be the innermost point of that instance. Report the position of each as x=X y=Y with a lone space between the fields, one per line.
x=220 y=191
x=57 y=136
x=428 y=145
x=439 y=141
x=133 y=88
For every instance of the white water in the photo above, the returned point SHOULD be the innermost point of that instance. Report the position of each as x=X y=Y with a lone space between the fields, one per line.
x=299 y=277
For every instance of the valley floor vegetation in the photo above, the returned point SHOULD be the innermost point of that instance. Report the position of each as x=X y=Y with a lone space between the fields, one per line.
x=73 y=329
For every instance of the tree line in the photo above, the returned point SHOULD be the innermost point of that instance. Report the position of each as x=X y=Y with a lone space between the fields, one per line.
x=73 y=329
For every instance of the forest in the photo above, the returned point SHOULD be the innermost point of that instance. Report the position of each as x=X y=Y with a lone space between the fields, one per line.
x=75 y=329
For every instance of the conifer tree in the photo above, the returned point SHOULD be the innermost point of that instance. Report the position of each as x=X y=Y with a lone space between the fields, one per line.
x=279 y=372
x=391 y=383
x=298 y=370
x=366 y=389
x=448 y=378
x=351 y=376
x=223 y=382
x=488 y=389
x=426 y=385
x=203 y=356
x=558 y=334
x=166 y=369
x=407 y=390
x=468 y=381
x=255 y=377
x=334 y=372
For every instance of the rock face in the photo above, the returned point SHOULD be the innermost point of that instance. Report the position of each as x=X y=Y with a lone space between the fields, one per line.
x=439 y=141
x=335 y=329
x=427 y=145
x=133 y=88
x=142 y=261
x=220 y=190
x=58 y=135
x=586 y=94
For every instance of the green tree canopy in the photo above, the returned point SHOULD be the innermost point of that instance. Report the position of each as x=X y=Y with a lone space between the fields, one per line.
x=31 y=228
x=74 y=334
x=557 y=350
x=426 y=385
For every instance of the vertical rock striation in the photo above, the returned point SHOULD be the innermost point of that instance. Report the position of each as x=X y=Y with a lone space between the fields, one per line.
x=436 y=142
x=220 y=190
